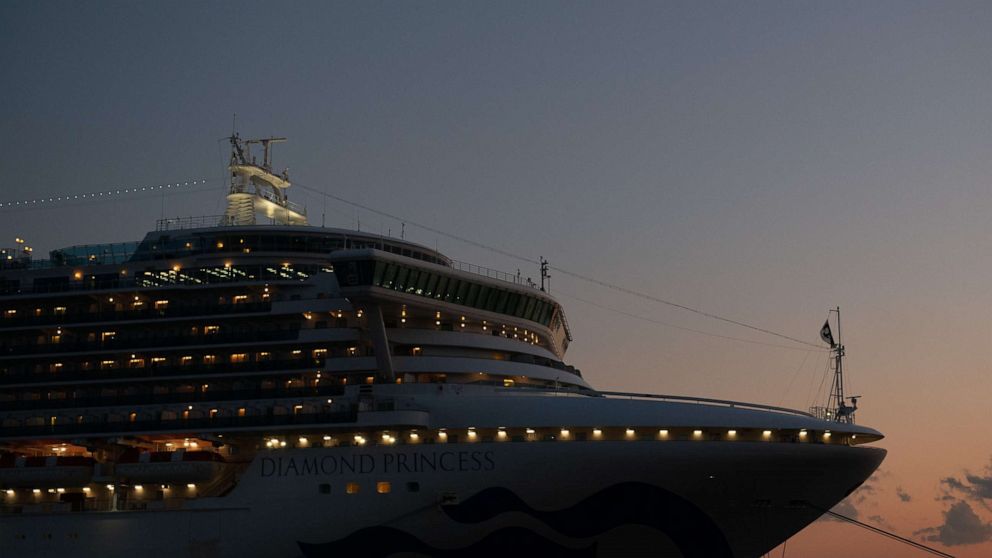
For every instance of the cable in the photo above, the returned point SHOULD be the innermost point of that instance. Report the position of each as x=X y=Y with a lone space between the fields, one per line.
x=689 y=329
x=573 y=274
x=893 y=536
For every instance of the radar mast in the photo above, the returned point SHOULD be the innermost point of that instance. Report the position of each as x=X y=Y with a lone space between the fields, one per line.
x=256 y=189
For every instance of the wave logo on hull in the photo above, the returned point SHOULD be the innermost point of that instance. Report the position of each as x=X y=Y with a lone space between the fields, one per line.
x=690 y=530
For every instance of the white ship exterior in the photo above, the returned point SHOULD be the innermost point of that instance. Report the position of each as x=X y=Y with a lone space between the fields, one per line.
x=231 y=389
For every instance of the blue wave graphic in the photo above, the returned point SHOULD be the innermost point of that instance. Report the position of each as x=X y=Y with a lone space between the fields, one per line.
x=692 y=531
x=380 y=541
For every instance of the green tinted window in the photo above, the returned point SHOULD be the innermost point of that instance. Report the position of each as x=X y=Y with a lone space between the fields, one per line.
x=529 y=309
x=442 y=287
x=411 y=280
x=401 y=278
x=473 y=293
x=389 y=276
x=431 y=285
x=422 y=282
x=501 y=301
x=377 y=275
x=462 y=293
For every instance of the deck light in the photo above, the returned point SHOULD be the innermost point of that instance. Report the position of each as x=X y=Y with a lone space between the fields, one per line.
x=139 y=487
x=110 y=487
x=766 y=434
x=36 y=491
x=442 y=435
x=697 y=433
x=501 y=434
x=471 y=433
x=597 y=432
x=564 y=433
x=414 y=436
x=87 y=489
x=191 y=486
x=802 y=433
x=663 y=433
x=10 y=492
x=826 y=434
x=530 y=430
x=303 y=441
x=630 y=432
x=282 y=444
x=60 y=490
x=327 y=438
x=731 y=433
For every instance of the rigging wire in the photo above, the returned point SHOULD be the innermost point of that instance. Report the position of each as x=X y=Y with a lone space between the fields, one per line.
x=884 y=533
x=688 y=329
x=572 y=274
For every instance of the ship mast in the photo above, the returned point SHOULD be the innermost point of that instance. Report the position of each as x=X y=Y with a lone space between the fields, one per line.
x=837 y=403
x=256 y=189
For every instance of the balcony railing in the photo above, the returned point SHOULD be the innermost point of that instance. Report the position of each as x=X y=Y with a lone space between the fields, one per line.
x=143 y=342
x=212 y=310
x=148 y=372
x=262 y=422
x=169 y=398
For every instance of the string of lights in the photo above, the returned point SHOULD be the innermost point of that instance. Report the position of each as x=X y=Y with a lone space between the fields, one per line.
x=572 y=274
x=69 y=197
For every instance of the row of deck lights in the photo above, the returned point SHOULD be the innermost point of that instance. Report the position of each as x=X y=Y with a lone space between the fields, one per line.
x=502 y=434
x=516 y=333
x=10 y=492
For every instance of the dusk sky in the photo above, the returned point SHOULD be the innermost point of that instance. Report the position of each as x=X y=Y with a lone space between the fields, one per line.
x=763 y=161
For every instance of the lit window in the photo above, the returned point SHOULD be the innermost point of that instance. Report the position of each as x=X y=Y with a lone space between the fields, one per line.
x=351 y=488
x=186 y=360
x=108 y=335
x=319 y=353
x=240 y=298
x=60 y=310
x=161 y=304
x=209 y=359
x=383 y=487
x=210 y=329
x=239 y=357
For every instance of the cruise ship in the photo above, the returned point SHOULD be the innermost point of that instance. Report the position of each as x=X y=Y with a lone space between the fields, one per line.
x=248 y=385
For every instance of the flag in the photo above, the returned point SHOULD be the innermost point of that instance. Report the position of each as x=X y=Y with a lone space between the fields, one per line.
x=826 y=334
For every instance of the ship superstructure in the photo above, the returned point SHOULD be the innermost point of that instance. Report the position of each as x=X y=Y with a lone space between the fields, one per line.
x=229 y=388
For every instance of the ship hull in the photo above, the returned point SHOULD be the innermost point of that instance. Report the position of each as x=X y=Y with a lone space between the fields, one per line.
x=639 y=498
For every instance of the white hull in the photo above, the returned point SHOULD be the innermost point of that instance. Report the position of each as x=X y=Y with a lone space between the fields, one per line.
x=568 y=498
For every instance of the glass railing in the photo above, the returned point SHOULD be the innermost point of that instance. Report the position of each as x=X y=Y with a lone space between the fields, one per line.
x=9 y=378
x=167 y=398
x=143 y=342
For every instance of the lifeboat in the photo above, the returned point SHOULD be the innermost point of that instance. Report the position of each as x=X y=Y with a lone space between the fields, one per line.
x=166 y=467
x=18 y=471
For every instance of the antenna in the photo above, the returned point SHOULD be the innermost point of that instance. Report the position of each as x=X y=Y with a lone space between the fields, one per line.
x=545 y=276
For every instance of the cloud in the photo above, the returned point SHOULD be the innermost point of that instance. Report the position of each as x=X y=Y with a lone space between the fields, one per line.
x=880 y=521
x=961 y=526
x=975 y=487
x=903 y=495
